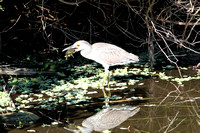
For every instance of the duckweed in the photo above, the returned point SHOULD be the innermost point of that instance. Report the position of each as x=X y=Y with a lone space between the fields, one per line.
x=119 y=88
x=132 y=82
x=54 y=123
x=6 y=102
x=106 y=131
x=115 y=97
x=92 y=92
x=25 y=101
x=45 y=125
x=141 y=84
x=74 y=87
x=10 y=109
x=163 y=76
x=31 y=131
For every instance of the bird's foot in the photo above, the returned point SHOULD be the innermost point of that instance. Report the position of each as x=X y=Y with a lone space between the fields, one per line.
x=107 y=100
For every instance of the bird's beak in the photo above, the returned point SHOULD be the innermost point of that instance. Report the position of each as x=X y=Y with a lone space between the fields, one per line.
x=70 y=47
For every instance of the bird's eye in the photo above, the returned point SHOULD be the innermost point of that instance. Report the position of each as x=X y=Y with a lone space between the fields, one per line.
x=78 y=45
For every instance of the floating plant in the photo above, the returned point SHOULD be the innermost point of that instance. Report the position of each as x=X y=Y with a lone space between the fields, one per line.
x=163 y=76
x=6 y=103
x=73 y=87
x=141 y=84
x=31 y=131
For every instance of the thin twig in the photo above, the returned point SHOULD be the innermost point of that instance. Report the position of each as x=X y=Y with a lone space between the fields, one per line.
x=172 y=121
x=12 y=25
x=160 y=35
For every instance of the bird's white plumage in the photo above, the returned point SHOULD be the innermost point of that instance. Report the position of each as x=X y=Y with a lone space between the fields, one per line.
x=109 y=118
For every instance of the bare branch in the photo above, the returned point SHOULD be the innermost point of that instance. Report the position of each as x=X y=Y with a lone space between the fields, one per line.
x=12 y=25
x=76 y=3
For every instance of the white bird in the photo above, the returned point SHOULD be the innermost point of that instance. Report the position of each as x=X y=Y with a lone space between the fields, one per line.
x=105 y=54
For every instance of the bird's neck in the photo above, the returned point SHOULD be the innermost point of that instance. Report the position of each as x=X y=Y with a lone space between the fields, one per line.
x=86 y=52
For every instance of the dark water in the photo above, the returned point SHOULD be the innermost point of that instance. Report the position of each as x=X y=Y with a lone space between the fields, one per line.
x=165 y=106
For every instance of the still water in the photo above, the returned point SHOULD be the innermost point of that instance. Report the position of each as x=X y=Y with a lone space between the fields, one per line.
x=163 y=105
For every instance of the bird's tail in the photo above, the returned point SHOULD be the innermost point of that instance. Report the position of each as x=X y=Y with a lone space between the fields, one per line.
x=133 y=58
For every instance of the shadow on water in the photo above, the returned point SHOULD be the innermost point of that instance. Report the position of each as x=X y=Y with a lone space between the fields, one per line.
x=165 y=106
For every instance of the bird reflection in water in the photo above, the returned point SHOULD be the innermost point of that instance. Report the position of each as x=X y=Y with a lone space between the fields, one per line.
x=106 y=119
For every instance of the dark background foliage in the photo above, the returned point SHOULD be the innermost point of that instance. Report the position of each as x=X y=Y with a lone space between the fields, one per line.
x=43 y=26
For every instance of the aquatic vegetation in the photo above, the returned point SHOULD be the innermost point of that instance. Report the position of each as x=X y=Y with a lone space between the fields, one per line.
x=168 y=67
x=45 y=92
x=132 y=82
x=134 y=71
x=79 y=86
x=92 y=92
x=135 y=98
x=31 y=131
x=145 y=72
x=115 y=97
x=107 y=131
x=163 y=76
x=6 y=103
x=141 y=84
x=45 y=125
x=5 y=99
x=119 y=88
x=54 y=123
x=181 y=80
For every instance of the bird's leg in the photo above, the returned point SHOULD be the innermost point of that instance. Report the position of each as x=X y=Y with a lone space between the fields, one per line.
x=104 y=92
x=104 y=79
x=108 y=80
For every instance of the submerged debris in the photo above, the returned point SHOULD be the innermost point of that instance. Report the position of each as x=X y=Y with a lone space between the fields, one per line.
x=14 y=118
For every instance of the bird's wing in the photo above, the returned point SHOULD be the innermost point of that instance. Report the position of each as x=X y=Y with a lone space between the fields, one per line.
x=110 y=54
x=111 y=119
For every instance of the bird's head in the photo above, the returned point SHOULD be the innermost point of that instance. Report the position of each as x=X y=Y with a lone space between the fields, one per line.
x=79 y=45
